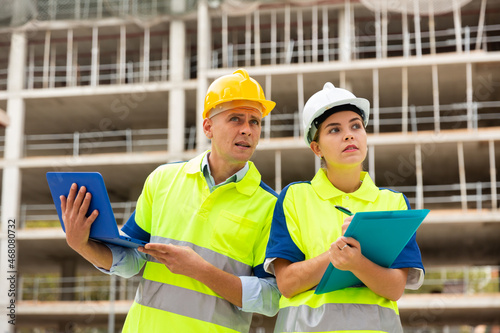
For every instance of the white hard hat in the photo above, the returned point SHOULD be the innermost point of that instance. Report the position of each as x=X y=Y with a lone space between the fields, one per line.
x=326 y=99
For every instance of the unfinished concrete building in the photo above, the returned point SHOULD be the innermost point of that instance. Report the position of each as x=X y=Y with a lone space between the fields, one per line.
x=117 y=86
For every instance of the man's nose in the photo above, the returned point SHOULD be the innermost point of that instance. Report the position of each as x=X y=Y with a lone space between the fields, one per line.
x=245 y=129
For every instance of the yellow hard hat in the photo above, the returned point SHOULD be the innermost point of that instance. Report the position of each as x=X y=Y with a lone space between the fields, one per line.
x=238 y=86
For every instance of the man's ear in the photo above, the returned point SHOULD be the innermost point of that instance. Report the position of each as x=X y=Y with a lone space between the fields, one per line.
x=207 y=127
x=316 y=149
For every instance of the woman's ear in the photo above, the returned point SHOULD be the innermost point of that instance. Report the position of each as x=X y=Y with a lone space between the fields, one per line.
x=316 y=149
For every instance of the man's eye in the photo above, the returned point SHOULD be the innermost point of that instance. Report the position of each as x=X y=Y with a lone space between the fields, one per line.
x=234 y=119
x=255 y=122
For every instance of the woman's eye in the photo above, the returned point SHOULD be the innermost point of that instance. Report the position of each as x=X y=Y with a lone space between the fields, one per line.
x=333 y=130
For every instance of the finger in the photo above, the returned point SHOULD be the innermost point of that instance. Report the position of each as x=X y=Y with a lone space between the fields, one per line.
x=350 y=241
x=335 y=246
x=63 y=203
x=163 y=248
x=84 y=208
x=72 y=195
x=153 y=254
x=80 y=197
x=339 y=244
x=93 y=216
x=344 y=247
x=144 y=250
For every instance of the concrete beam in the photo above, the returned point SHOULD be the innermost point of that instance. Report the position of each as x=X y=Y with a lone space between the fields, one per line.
x=368 y=64
x=440 y=309
x=100 y=90
x=459 y=217
x=282 y=144
x=423 y=137
x=60 y=162
x=72 y=308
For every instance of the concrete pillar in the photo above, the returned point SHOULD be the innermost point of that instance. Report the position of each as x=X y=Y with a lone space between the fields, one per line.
x=69 y=58
x=458 y=25
x=418 y=37
x=300 y=102
x=256 y=37
x=177 y=98
x=376 y=101
x=274 y=38
x=461 y=173
x=203 y=43
x=325 y=31
x=267 y=121
x=122 y=55
x=94 y=70
x=371 y=161
x=493 y=175
x=404 y=100
x=277 y=171
x=419 y=174
x=314 y=33
x=435 y=99
x=287 y=51
x=345 y=32
x=11 y=180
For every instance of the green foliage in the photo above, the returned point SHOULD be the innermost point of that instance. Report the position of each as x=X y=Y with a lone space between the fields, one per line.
x=42 y=224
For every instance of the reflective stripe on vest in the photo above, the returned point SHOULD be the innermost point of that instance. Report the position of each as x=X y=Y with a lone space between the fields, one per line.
x=341 y=317
x=163 y=290
x=220 y=261
x=192 y=304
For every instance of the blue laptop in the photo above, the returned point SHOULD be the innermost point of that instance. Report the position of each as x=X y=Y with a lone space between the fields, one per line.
x=104 y=228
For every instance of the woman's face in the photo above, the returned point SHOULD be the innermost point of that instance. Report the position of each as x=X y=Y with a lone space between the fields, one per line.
x=341 y=140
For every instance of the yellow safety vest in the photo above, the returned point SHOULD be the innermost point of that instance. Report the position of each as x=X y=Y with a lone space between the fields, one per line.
x=228 y=227
x=313 y=224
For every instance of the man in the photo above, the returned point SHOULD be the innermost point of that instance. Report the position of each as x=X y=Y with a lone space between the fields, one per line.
x=208 y=223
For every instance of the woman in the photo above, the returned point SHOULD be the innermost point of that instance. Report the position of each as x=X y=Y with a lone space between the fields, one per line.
x=307 y=231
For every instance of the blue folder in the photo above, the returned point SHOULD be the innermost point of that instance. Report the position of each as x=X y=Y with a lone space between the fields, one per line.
x=382 y=236
x=104 y=229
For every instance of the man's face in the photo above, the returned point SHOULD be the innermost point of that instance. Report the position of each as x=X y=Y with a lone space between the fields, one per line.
x=234 y=133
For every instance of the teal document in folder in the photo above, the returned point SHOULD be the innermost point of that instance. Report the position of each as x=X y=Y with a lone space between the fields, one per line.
x=382 y=236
